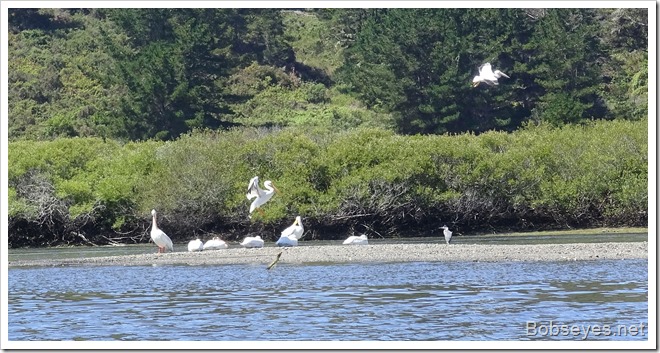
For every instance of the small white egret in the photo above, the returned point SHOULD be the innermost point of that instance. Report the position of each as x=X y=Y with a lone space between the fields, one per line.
x=215 y=244
x=159 y=237
x=253 y=242
x=356 y=240
x=196 y=245
x=447 y=233
x=259 y=195
x=488 y=76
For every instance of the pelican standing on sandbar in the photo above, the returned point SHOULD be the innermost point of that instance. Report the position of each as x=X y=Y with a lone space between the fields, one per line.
x=488 y=76
x=259 y=195
x=159 y=237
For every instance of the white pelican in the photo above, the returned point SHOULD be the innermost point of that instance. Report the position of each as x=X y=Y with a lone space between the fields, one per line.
x=488 y=76
x=159 y=237
x=196 y=245
x=253 y=242
x=287 y=241
x=295 y=230
x=291 y=234
x=355 y=240
x=215 y=244
x=447 y=233
x=262 y=196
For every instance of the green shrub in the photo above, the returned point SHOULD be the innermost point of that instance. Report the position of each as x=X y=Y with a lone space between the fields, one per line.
x=369 y=178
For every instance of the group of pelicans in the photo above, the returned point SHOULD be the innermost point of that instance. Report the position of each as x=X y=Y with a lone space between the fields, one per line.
x=289 y=236
x=293 y=233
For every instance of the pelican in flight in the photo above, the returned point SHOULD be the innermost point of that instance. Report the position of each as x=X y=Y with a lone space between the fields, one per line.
x=259 y=195
x=488 y=76
x=447 y=233
x=355 y=240
x=253 y=242
x=159 y=237
x=215 y=244
x=291 y=234
x=196 y=245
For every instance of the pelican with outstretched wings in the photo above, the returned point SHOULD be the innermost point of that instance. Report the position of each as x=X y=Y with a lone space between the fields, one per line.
x=259 y=195
x=487 y=76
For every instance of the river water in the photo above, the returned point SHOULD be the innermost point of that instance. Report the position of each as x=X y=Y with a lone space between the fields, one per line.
x=419 y=301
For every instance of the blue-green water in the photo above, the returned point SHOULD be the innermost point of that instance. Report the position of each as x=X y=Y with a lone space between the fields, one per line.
x=376 y=301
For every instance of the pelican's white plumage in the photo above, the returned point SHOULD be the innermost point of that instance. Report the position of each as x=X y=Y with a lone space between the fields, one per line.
x=487 y=75
x=159 y=237
x=195 y=245
x=287 y=241
x=292 y=233
x=295 y=230
x=253 y=242
x=215 y=244
x=259 y=195
x=447 y=233
x=356 y=240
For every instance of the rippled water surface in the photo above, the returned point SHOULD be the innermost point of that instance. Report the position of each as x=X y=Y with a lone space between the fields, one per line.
x=378 y=301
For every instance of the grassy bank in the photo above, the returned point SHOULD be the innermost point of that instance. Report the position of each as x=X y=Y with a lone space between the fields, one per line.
x=77 y=191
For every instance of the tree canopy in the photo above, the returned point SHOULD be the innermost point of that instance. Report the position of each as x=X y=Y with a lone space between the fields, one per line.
x=135 y=74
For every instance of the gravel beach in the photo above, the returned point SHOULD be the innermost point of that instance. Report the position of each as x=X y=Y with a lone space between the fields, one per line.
x=367 y=253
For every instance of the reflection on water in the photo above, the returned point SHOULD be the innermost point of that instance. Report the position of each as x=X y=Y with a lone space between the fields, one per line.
x=377 y=301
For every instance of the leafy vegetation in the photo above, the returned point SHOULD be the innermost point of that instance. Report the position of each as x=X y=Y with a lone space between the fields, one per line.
x=135 y=74
x=364 y=118
x=366 y=179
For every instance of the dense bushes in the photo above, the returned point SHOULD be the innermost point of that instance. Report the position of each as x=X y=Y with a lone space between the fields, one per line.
x=372 y=180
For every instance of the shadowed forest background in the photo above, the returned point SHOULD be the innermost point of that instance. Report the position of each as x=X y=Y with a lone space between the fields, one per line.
x=365 y=119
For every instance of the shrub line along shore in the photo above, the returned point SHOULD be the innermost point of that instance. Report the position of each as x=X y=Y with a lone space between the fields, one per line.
x=366 y=254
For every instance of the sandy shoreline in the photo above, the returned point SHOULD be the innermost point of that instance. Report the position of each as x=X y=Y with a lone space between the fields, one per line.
x=367 y=253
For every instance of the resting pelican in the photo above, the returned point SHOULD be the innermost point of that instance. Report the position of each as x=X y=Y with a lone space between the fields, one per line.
x=488 y=76
x=291 y=234
x=295 y=230
x=215 y=244
x=159 y=237
x=287 y=241
x=355 y=240
x=262 y=196
x=447 y=233
x=253 y=242
x=196 y=245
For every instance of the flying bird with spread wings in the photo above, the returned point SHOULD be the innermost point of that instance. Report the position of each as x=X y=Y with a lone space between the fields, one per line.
x=259 y=195
x=488 y=76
